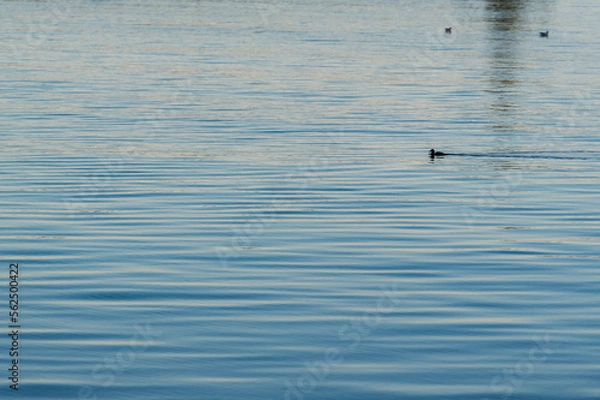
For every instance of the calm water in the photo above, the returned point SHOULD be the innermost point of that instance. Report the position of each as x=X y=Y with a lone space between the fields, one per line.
x=233 y=199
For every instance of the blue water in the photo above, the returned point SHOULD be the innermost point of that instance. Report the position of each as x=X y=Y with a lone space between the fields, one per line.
x=233 y=199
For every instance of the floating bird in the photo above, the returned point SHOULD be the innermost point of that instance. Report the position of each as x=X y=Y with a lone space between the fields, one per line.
x=449 y=29
x=544 y=34
x=433 y=153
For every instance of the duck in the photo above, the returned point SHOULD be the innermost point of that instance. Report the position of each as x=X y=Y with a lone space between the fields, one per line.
x=449 y=29
x=544 y=34
x=433 y=153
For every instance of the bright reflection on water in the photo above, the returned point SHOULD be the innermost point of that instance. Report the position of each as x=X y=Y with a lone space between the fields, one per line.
x=233 y=199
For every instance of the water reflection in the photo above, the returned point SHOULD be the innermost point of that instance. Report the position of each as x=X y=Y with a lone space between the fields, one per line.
x=505 y=15
x=505 y=20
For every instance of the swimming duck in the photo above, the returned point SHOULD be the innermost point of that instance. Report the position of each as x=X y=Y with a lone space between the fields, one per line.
x=433 y=153
x=449 y=29
x=544 y=34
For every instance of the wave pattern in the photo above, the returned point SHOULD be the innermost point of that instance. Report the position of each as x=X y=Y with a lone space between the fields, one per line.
x=226 y=200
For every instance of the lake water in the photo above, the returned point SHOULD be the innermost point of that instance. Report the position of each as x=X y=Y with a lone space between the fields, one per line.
x=234 y=199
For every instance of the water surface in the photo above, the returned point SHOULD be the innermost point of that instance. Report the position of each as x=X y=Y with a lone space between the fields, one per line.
x=233 y=200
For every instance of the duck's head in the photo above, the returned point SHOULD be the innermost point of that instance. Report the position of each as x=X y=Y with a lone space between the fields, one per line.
x=432 y=153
